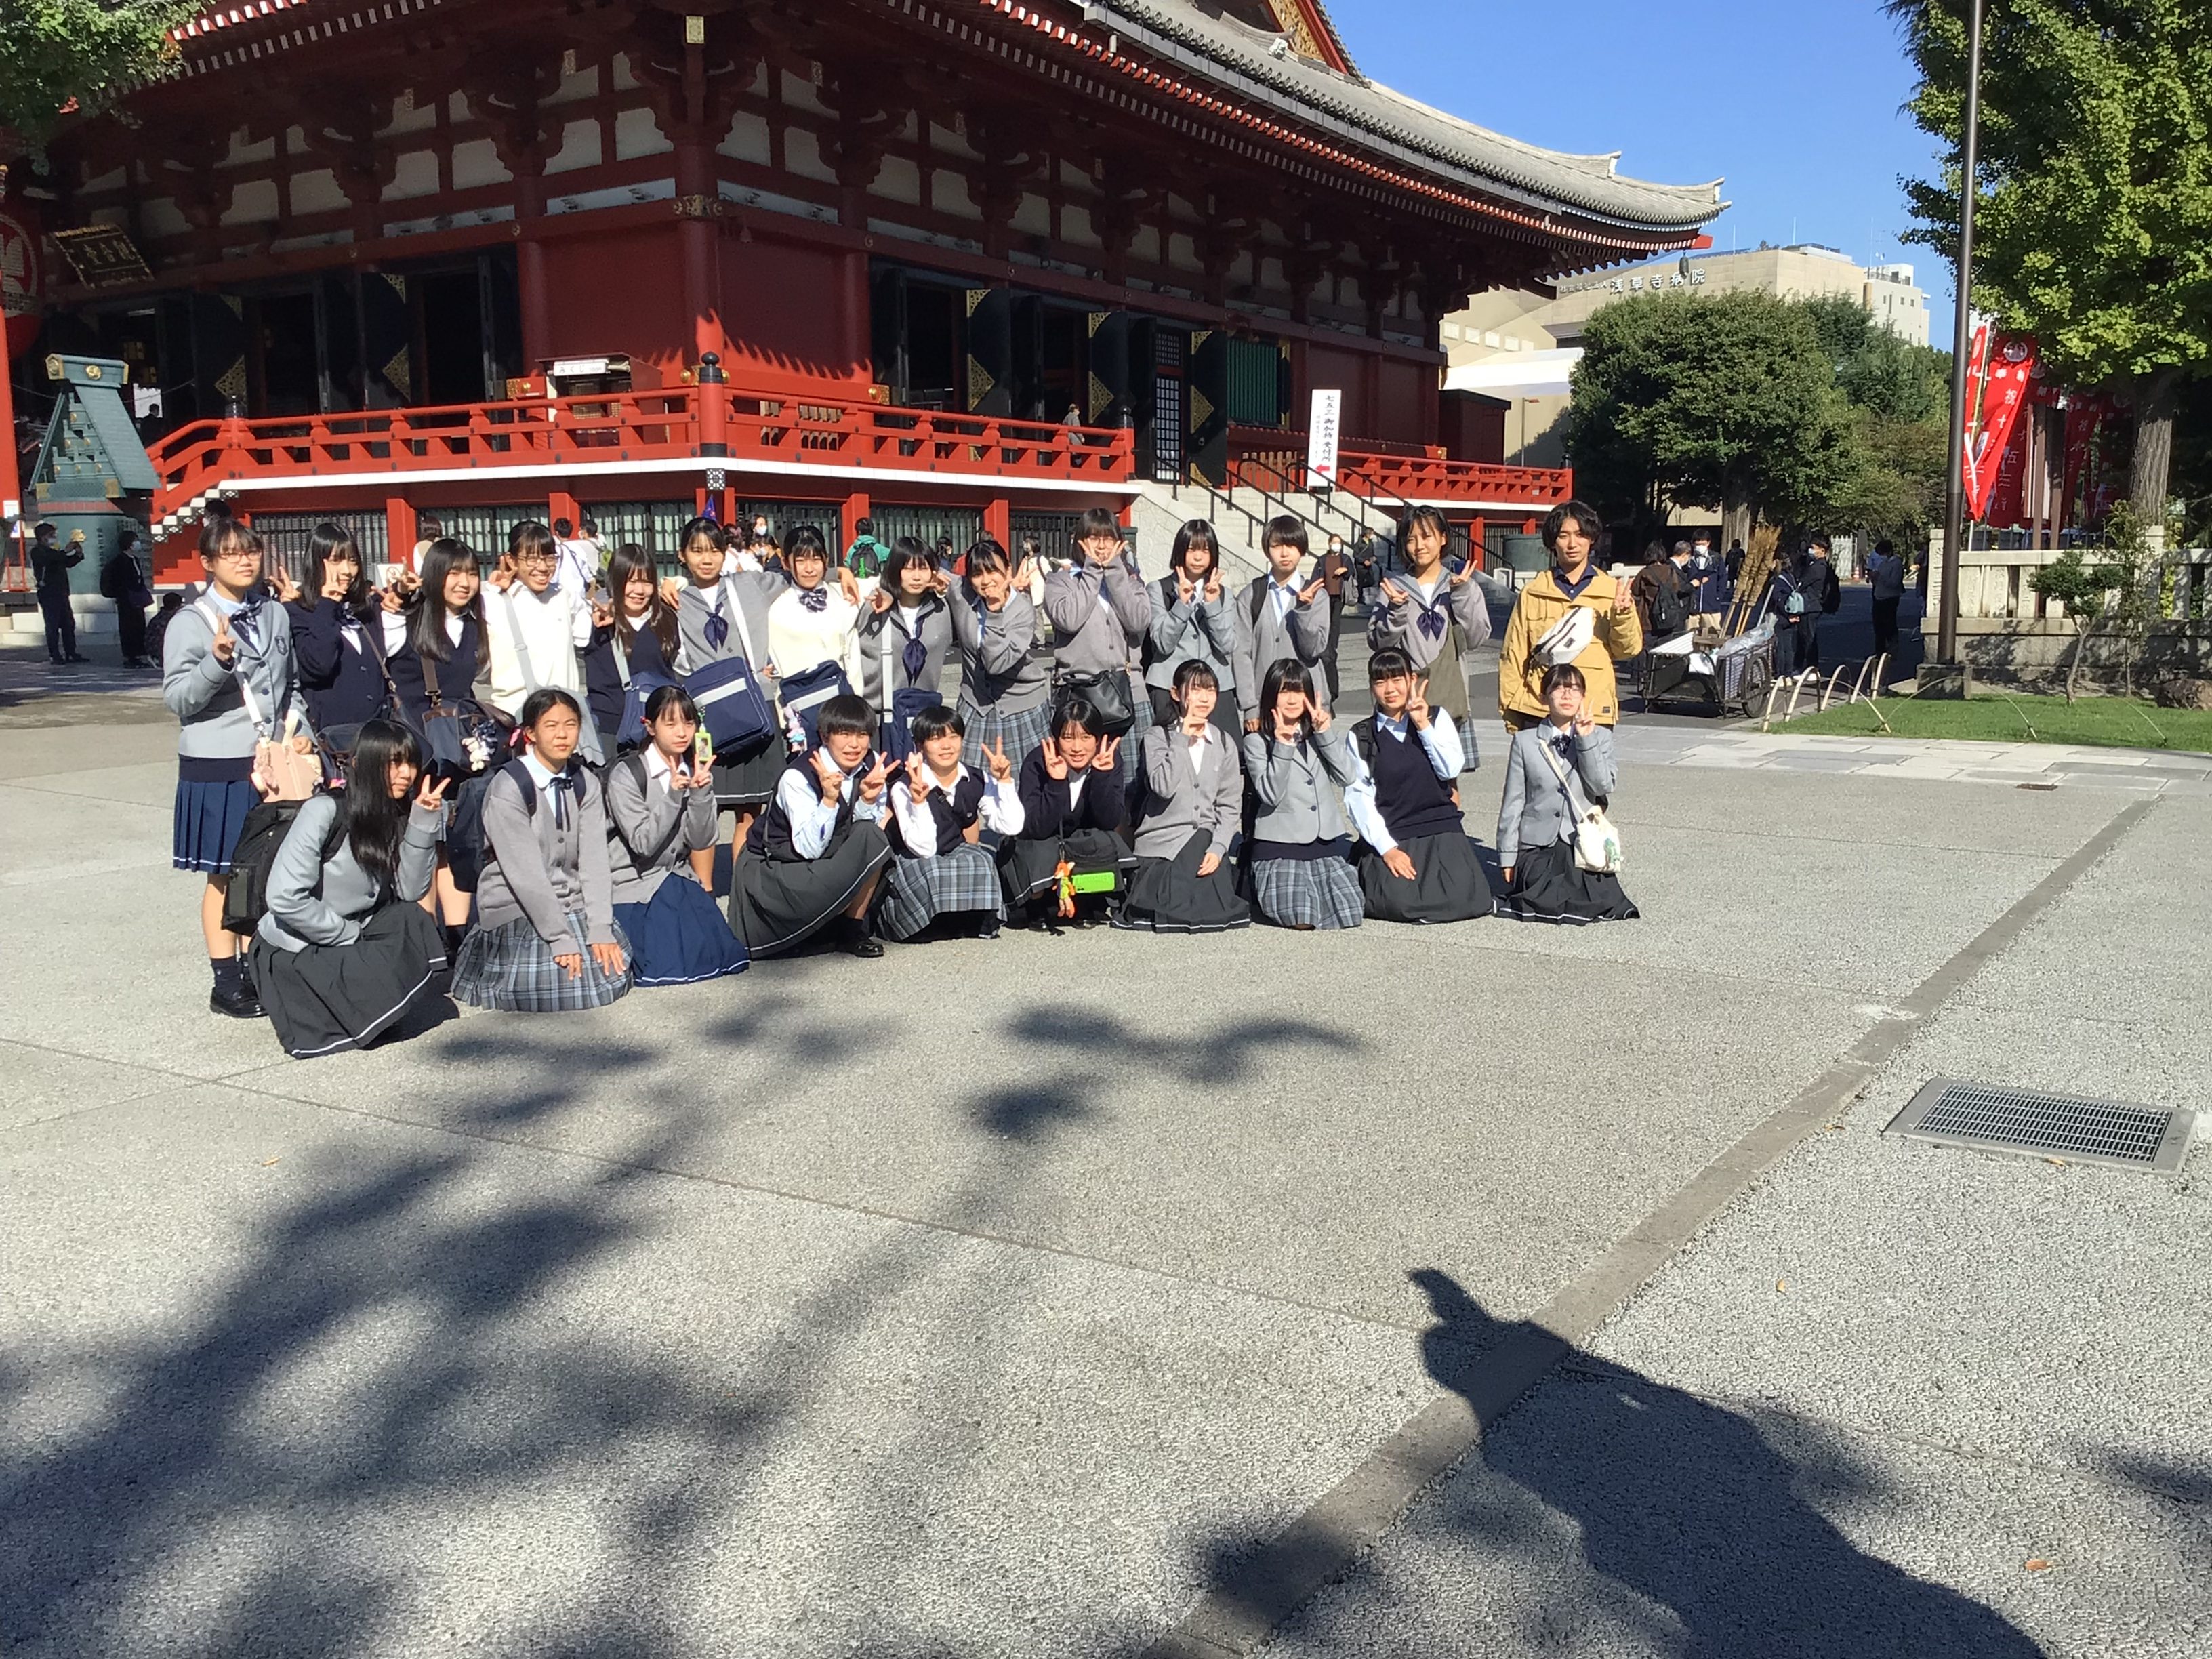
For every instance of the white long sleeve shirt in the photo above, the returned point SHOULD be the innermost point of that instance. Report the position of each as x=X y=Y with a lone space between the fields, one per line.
x=999 y=810
x=1440 y=741
x=813 y=820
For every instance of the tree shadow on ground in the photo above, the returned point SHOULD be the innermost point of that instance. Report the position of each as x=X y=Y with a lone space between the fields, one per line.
x=445 y=1397
x=1629 y=1516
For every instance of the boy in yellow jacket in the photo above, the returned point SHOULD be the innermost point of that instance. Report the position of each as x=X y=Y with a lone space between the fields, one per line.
x=1571 y=534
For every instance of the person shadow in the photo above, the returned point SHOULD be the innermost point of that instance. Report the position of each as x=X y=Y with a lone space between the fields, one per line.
x=1699 y=1512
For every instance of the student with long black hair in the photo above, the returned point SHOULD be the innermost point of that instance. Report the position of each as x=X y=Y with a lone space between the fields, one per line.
x=345 y=948
x=1299 y=763
x=816 y=853
x=337 y=636
x=640 y=641
x=1194 y=620
x=1003 y=687
x=546 y=940
x=906 y=634
x=1190 y=794
x=1075 y=803
x=941 y=809
x=661 y=805
x=227 y=675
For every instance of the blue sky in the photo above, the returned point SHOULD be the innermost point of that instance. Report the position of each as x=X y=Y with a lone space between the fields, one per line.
x=1796 y=103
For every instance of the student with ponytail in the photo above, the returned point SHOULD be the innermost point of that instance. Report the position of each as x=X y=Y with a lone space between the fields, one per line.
x=345 y=948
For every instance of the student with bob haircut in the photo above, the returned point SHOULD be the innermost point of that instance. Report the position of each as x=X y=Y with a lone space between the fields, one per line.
x=941 y=811
x=1546 y=628
x=1299 y=765
x=545 y=940
x=1075 y=802
x=660 y=806
x=1101 y=613
x=906 y=634
x=1193 y=621
x=1189 y=794
x=816 y=853
x=345 y=948
x=1278 y=617
x=1004 y=687
x=1434 y=616
x=228 y=676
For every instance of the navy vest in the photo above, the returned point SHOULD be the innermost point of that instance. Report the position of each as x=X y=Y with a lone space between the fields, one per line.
x=1413 y=800
x=770 y=835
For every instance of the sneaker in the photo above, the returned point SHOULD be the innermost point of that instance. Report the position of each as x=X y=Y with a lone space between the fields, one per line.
x=240 y=1004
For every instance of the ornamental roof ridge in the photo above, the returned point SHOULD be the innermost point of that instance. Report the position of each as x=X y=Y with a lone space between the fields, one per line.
x=1476 y=155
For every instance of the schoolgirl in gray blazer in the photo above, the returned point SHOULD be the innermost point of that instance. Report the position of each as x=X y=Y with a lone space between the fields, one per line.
x=1540 y=809
x=1193 y=619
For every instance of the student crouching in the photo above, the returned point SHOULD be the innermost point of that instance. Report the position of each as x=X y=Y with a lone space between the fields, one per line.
x=816 y=853
x=1191 y=793
x=345 y=948
x=1416 y=864
x=941 y=810
x=545 y=940
x=1299 y=763
x=660 y=806
x=227 y=675
x=1558 y=769
x=1075 y=801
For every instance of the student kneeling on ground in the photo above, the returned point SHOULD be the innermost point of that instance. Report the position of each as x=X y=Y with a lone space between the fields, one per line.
x=1190 y=797
x=660 y=806
x=1557 y=771
x=941 y=810
x=546 y=940
x=816 y=853
x=1418 y=865
x=345 y=947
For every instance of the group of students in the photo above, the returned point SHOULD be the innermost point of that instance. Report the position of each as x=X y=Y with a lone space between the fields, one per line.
x=1173 y=764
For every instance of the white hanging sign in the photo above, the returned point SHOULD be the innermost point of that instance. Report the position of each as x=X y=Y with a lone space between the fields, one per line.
x=1322 y=432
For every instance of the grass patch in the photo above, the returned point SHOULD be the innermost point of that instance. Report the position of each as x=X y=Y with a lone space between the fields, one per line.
x=2094 y=722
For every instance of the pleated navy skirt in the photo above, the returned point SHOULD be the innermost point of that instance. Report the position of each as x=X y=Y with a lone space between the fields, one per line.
x=213 y=798
x=678 y=937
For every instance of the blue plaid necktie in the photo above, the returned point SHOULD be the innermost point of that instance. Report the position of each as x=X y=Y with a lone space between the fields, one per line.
x=815 y=600
x=244 y=620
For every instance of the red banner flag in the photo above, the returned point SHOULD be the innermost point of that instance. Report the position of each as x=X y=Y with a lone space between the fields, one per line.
x=2084 y=415
x=2010 y=361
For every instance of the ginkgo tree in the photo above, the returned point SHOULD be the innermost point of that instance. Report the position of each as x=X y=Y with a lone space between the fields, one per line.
x=56 y=55
x=2093 y=227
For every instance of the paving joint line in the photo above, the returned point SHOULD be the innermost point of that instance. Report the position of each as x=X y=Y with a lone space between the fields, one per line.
x=1236 y=1619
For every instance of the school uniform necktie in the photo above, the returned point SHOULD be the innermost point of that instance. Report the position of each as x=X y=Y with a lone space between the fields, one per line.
x=562 y=787
x=718 y=626
x=915 y=657
x=1432 y=621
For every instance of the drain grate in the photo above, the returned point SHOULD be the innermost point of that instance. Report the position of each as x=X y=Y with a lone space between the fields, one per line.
x=2002 y=1120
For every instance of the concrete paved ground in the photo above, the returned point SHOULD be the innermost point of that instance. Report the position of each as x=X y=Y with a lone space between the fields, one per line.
x=1025 y=1299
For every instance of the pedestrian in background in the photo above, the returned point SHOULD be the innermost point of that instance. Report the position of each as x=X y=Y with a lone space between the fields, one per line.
x=123 y=580
x=1335 y=570
x=50 y=568
x=1885 y=571
x=1708 y=588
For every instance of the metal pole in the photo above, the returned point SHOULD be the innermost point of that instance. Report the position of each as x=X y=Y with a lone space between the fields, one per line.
x=1947 y=638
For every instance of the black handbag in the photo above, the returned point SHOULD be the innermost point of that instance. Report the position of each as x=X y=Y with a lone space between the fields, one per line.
x=463 y=740
x=1107 y=690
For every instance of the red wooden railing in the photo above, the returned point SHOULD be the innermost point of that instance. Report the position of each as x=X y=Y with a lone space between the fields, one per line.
x=1395 y=472
x=824 y=428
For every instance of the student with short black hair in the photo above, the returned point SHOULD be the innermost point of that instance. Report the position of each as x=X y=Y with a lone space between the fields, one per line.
x=1435 y=616
x=1101 y=613
x=816 y=853
x=941 y=811
x=1189 y=798
x=337 y=635
x=123 y=579
x=1300 y=766
x=814 y=633
x=1075 y=803
x=660 y=806
x=345 y=949
x=1416 y=862
x=1194 y=620
x=546 y=940
x=720 y=616
x=1277 y=618
x=227 y=675
x=1558 y=769
x=1004 y=688
x=905 y=634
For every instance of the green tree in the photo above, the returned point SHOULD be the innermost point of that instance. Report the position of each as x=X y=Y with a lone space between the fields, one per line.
x=1899 y=394
x=56 y=52
x=1725 y=401
x=2093 y=227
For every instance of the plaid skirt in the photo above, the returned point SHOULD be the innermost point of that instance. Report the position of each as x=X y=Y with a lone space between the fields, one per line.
x=1021 y=731
x=1318 y=893
x=510 y=968
x=916 y=891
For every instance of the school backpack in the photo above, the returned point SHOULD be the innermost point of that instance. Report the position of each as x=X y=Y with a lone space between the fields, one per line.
x=245 y=900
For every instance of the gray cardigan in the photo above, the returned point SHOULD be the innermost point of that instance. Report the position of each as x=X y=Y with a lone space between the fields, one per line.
x=539 y=872
x=1089 y=638
x=1184 y=630
x=643 y=815
x=999 y=667
x=934 y=628
x=1537 y=809
x=317 y=900
x=1300 y=800
x=1182 y=800
x=205 y=694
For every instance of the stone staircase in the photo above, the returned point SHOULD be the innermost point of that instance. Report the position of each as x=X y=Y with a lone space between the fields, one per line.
x=1237 y=515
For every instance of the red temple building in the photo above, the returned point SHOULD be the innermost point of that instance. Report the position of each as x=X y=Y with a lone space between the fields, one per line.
x=957 y=264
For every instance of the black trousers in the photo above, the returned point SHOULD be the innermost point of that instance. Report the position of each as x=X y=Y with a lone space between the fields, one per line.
x=131 y=626
x=61 y=626
x=1885 y=625
x=1789 y=653
x=1328 y=661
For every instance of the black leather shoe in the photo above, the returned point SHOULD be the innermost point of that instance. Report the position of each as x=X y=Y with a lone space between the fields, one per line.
x=240 y=1004
x=860 y=942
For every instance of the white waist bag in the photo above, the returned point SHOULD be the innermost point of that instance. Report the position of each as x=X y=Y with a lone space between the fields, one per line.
x=1597 y=841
